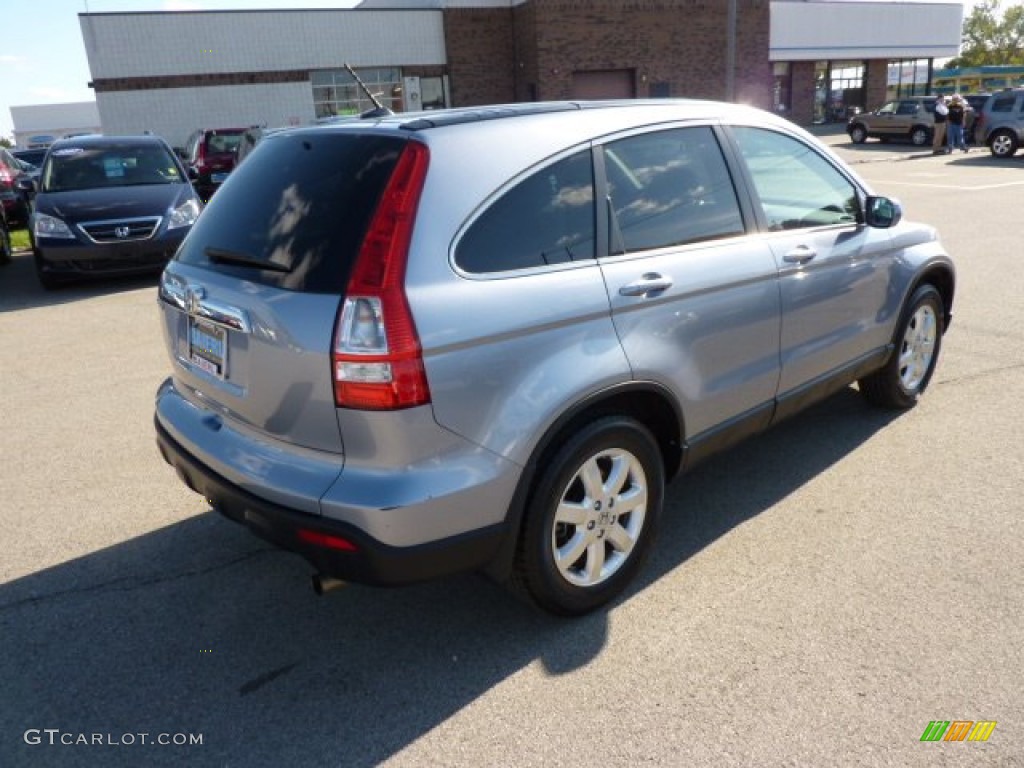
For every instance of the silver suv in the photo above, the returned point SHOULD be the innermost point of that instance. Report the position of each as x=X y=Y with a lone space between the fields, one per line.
x=483 y=339
x=1001 y=123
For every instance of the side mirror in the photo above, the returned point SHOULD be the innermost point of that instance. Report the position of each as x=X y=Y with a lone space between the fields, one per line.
x=193 y=174
x=882 y=212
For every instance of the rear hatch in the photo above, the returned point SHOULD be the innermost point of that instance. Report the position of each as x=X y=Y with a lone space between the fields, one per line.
x=220 y=152
x=251 y=300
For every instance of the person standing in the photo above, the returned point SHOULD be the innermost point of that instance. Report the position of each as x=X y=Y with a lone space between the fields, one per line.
x=939 y=134
x=955 y=124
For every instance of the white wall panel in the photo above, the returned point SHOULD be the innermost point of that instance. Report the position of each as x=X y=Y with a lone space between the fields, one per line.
x=175 y=112
x=803 y=31
x=186 y=43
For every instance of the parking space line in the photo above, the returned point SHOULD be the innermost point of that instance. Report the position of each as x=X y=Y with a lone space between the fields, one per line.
x=962 y=187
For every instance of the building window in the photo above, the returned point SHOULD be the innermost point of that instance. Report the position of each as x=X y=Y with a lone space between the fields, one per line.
x=846 y=89
x=907 y=77
x=783 y=87
x=335 y=92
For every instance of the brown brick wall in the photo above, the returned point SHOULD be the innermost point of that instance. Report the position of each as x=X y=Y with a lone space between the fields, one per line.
x=874 y=86
x=531 y=51
x=480 y=48
x=802 y=111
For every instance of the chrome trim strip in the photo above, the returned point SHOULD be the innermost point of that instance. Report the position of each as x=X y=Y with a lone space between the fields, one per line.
x=154 y=220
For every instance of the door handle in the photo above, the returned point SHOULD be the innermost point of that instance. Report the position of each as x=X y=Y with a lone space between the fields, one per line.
x=800 y=255
x=649 y=283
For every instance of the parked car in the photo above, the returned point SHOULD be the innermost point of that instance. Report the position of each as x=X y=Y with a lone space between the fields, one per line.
x=111 y=206
x=527 y=319
x=32 y=156
x=1001 y=125
x=911 y=118
x=12 y=200
x=250 y=138
x=210 y=157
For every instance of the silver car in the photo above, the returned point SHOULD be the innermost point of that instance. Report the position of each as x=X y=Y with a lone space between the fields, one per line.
x=484 y=339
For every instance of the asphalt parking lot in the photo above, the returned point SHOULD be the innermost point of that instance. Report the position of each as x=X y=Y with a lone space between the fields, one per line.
x=817 y=596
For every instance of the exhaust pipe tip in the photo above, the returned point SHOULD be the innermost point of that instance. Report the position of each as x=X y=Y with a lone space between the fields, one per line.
x=323 y=584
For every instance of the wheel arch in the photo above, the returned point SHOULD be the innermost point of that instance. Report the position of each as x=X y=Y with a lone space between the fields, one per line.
x=941 y=276
x=648 y=403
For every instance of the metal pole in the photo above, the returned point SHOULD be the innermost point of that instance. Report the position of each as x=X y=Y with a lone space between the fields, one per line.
x=730 y=53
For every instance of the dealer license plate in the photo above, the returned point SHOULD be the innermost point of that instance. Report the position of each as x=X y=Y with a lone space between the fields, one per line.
x=208 y=347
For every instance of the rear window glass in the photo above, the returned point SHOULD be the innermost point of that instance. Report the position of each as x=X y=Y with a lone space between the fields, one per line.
x=1003 y=103
x=293 y=215
x=219 y=143
x=546 y=219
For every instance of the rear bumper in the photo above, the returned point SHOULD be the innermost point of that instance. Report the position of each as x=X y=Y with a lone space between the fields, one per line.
x=370 y=562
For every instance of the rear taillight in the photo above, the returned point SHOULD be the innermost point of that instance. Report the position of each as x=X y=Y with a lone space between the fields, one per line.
x=377 y=360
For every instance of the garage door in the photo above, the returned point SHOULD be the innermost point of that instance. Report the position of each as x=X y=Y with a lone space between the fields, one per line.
x=603 y=84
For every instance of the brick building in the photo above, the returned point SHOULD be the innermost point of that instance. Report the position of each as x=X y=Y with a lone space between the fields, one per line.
x=171 y=72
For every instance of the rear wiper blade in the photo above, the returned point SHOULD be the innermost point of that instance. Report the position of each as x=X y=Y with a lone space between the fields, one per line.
x=224 y=256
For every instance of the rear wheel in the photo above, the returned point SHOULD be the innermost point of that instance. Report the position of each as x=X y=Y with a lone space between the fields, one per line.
x=592 y=517
x=918 y=340
x=5 y=244
x=919 y=136
x=1003 y=144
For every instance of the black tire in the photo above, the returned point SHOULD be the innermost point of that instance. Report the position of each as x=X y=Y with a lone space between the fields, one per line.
x=6 y=252
x=1003 y=144
x=918 y=340
x=919 y=136
x=46 y=279
x=610 y=544
x=858 y=133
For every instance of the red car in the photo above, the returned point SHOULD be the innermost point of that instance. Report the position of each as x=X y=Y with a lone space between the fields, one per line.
x=15 y=207
x=210 y=156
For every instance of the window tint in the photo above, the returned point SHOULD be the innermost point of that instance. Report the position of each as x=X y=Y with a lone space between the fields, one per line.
x=1003 y=103
x=669 y=188
x=907 y=108
x=548 y=218
x=797 y=187
x=108 y=165
x=300 y=206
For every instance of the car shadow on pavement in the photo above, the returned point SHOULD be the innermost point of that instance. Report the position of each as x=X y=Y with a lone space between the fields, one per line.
x=199 y=628
x=19 y=288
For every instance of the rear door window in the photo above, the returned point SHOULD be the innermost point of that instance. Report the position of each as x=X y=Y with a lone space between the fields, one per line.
x=1003 y=103
x=543 y=220
x=295 y=213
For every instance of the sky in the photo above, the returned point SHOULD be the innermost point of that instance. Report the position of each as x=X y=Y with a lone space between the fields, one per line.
x=42 y=57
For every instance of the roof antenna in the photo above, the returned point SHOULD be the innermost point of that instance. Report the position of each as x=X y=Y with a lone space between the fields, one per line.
x=379 y=110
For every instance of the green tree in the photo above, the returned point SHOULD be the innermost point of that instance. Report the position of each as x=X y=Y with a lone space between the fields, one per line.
x=5 y=142
x=992 y=36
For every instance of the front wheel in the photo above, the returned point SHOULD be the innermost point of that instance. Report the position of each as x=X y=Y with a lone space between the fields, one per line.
x=903 y=379
x=1003 y=144
x=858 y=134
x=592 y=517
